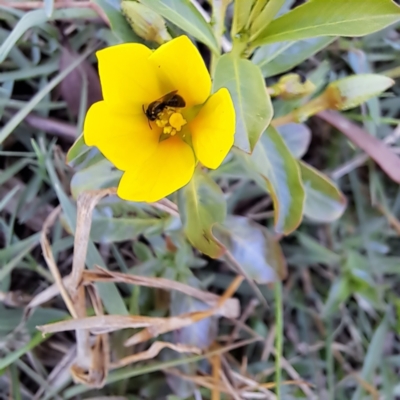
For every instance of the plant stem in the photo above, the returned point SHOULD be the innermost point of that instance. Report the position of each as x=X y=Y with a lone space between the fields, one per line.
x=279 y=336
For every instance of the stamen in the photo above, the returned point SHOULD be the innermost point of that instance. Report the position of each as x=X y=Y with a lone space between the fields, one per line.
x=170 y=120
x=176 y=120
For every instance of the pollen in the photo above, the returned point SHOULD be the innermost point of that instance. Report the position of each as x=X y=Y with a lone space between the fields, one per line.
x=171 y=121
x=176 y=120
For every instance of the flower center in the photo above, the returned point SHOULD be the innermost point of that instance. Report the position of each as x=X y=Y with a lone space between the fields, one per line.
x=171 y=120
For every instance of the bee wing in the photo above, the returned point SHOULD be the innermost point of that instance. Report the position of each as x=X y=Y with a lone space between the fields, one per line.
x=166 y=98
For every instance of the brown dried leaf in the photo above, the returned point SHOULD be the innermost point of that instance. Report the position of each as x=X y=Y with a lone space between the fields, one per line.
x=154 y=326
x=173 y=323
x=101 y=324
x=230 y=309
x=71 y=86
x=376 y=149
x=153 y=351
x=97 y=373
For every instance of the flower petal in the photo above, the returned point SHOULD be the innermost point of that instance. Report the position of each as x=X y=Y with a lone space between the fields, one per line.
x=166 y=171
x=180 y=64
x=124 y=139
x=213 y=129
x=128 y=78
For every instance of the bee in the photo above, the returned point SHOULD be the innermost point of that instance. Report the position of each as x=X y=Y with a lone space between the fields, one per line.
x=171 y=99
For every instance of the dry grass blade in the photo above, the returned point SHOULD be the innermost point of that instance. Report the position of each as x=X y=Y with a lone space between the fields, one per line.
x=269 y=343
x=153 y=351
x=251 y=385
x=100 y=352
x=271 y=385
x=367 y=386
x=48 y=293
x=85 y=205
x=14 y=299
x=167 y=206
x=231 y=261
x=216 y=371
x=205 y=381
x=97 y=373
x=101 y=324
x=296 y=376
x=48 y=256
x=230 y=309
x=232 y=390
x=60 y=373
x=173 y=323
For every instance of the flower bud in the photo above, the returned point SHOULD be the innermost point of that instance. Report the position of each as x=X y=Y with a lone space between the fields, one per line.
x=292 y=86
x=145 y=22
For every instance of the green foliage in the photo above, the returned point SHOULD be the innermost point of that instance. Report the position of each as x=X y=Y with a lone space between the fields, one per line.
x=252 y=104
x=330 y=17
x=324 y=201
x=276 y=58
x=202 y=204
x=119 y=24
x=272 y=160
x=341 y=260
x=183 y=14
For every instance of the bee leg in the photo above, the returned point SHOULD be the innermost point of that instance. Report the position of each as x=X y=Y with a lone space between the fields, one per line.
x=148 y=121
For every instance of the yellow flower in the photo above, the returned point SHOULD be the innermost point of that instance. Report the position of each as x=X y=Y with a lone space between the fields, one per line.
x=158 y=157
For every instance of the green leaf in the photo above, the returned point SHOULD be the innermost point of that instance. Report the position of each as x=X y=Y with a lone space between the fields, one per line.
x=254 y=248
x=13 y=356
x=314 y=252
x=297 y=138
x=339 y=292
x=37 y=18
x=356 y=89
x=373 y=358
x=274 y=162
x=276 y=58
x=251 y=100
x=330 y=18
x=107 y=230
x=241 y=13
x=119 y=25
x=266 y=16
x=183 y=14
x=81 y=156
x=100 y=175
x=201 y=205
x=77 y=149
x=324 y=201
